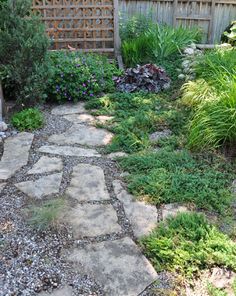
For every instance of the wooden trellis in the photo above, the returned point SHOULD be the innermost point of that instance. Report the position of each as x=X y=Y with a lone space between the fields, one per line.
x=87 y=25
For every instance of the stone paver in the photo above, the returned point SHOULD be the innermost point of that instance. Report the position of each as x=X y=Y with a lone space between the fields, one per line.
x=46 y=165
x=2 y=185
x=93 y=220
x=69 y=151
x=66 y=291
x=80 y=118
x=69 y=109
x=84 y=135
x=143 y=217
x=172 y=209
x=159 y=135
x=88 y=183
x=118 y=266
x=15 y=155
x=41 y=187
x=115 y=155
x=87 y=118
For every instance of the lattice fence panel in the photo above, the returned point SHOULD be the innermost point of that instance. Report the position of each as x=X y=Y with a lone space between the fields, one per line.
x=82 y=24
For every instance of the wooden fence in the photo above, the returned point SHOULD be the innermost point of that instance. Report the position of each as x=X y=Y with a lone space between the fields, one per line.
x=89 y=25
x=92 y=25
x=213 y=16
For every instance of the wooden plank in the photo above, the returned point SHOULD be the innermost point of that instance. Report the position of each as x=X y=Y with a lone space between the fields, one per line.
x=198 y=17
x=117 y=41
x=175 y=6
x=211 y=25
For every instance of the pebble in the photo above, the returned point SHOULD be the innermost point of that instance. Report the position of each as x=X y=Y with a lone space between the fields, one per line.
x=3 y=126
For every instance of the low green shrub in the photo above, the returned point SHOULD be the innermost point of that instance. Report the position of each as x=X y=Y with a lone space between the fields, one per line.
x=28 y=119
x=77 y=76
x=136 y=115
x=168 y=176
x=24 y=67
x=187 y=244
x=45 y=215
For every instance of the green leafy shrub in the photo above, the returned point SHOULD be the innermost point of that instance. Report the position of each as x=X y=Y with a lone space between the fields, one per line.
x=153 y=42
x=79 y=76
x=46 y=215
x=23 y=52
x=230 y=34
x=187 y=244
x=28 y=119
x=168 y=176
x=134 y=26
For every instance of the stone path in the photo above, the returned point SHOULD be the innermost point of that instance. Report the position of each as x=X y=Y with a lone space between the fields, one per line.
x=103 y=216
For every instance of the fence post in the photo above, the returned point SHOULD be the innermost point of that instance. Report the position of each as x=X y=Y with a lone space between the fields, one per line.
x=117 y=41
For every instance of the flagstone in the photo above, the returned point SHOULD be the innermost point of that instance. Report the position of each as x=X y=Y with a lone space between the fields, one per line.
x=46 y=165
x=88 y=183
x=84 y=135
x=41 y=187
x=69 y=109
x=15 y=155
x=142 y=216
x=93 y=220
x=118 y=266
x=69 y=151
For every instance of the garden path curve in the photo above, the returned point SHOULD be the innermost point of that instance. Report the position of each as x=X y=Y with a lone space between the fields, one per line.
x=104 y=218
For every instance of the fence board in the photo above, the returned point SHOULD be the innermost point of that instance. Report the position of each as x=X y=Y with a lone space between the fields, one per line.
x=213 y=16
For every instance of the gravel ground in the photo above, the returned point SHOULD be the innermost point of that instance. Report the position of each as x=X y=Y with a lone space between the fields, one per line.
x=33 y=261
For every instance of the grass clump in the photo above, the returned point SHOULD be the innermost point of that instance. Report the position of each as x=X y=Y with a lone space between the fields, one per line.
x=168 y=176
x=187 y=243
x=28 y=119
x=46 y=215
x=213 y=100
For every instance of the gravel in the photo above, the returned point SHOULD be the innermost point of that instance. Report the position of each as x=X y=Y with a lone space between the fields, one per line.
x=33 y=261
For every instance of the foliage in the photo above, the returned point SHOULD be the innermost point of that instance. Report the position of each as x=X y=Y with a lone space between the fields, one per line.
x=79 y=76
x=166 y=41
x=143 y=78
x=28 y=119
x=212 y=97
x=187 y=244
x=23 y=48
x=46 y=215
x=168 y=176
x=154 y=43
x=214 y=123
x=217 y=68
x=213 y=291
x=136 y=115
x=197 y=92
x=134 y=26
x=135 y=51
x=230 y=34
